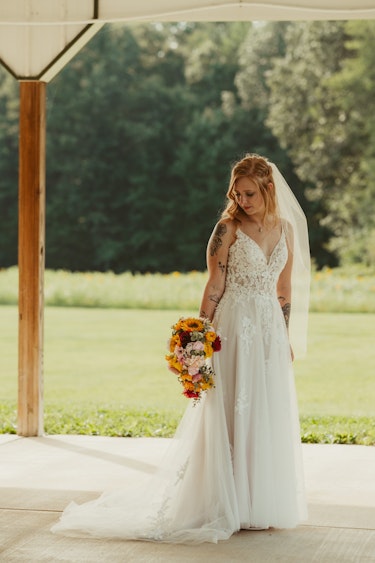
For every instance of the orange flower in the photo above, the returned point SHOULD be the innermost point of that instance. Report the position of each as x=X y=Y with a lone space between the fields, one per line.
x=173 y=362
x=174 y=341
x=210 y=336
x=208 y=350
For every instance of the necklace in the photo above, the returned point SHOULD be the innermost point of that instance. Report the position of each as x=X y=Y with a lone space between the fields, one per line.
x=260 y=227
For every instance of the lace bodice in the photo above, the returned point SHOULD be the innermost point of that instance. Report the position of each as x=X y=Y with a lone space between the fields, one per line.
x=249 y=272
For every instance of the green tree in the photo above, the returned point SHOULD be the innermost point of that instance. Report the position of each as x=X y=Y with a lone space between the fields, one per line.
x=220 y=131
x=142 y=127
x=211 y=52
x=264 y=45
x=116 y=121
x=9 y=102
x=318 y=94
x=306 y=116
x=356 y=241
x=147 y=132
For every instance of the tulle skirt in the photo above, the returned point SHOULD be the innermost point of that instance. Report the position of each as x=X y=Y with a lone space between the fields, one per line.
x=235 y=461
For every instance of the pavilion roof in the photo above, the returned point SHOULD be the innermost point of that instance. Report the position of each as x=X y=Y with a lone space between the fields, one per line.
x=38 y=37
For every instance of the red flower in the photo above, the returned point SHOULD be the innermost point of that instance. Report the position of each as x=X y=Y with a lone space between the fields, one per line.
x=190 y=394
x=216 y=345
x=184 y=338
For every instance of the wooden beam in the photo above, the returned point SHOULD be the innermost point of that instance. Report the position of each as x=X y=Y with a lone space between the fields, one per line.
x=31 y=240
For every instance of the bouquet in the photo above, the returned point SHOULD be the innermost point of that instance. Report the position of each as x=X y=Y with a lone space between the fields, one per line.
x=193 y=341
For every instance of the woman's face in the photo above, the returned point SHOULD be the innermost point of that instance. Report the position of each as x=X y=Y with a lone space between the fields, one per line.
x=248 y=196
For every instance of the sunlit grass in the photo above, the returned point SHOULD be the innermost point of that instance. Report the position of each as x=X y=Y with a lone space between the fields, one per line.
x=350 y=289
x=105 y=373
x=116 y=356
x=105 y=339
x=109 y=290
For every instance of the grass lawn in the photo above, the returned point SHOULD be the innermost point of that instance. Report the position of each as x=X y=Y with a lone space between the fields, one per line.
x=112 y=360
x=337 y=377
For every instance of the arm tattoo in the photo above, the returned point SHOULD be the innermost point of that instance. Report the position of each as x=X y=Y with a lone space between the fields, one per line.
x=222 y=267
x=286 y=312
x=203 y=314
x=216 y=242
x=215 y=298
x=281 y=299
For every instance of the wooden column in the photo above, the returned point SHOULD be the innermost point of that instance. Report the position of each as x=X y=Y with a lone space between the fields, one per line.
x=31 y=240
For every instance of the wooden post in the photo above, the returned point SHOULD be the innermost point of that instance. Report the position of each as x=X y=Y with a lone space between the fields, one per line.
x=31 y=239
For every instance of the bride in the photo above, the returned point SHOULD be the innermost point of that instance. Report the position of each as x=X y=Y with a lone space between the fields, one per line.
x=235 y=461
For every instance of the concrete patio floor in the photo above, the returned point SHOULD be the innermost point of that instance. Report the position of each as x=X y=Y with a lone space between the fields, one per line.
x=40 y=476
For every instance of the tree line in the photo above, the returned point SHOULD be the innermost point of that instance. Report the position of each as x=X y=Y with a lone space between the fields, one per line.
x=145 y=122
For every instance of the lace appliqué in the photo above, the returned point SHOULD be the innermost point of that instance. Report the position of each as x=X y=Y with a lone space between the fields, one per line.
x=266 y=310
x=242 y=403
x=282 y=335
x=248 y=333
x=161 y=524
x=181 y=472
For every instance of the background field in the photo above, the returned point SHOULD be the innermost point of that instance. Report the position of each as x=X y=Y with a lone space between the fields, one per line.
x=340 y=290
x=105 y=373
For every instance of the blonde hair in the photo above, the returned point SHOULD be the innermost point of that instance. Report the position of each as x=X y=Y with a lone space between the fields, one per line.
x=257 y=169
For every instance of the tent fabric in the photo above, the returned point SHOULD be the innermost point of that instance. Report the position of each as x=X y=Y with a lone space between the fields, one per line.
x=38 y=37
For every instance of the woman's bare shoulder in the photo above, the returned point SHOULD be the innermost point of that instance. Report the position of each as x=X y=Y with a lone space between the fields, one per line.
x=227 y=226
x=286 y=225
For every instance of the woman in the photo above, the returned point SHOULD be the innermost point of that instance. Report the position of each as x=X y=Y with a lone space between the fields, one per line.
x=248 y=295
x=235 y=461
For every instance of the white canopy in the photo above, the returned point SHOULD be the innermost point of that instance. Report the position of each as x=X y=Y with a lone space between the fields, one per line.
x=38 y=37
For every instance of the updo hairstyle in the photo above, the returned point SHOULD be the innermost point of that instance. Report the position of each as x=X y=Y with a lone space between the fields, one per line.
x=257 y=169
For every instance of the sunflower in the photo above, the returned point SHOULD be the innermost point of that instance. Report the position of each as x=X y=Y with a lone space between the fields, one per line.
x=191 y=324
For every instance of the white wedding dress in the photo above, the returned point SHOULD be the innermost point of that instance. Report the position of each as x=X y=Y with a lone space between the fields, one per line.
x=235 y=461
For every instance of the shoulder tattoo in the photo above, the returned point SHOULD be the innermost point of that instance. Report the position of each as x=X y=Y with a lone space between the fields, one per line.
x=216 y=241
